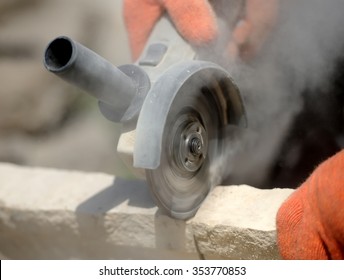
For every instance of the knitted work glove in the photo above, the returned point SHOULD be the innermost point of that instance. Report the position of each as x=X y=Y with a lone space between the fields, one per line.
x=310 y=223
x=196 y=22
x=194 y=19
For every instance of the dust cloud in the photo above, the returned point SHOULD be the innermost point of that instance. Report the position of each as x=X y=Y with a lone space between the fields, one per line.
x=300 y=56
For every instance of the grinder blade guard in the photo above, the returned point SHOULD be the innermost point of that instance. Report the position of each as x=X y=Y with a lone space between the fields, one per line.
x=173 y=107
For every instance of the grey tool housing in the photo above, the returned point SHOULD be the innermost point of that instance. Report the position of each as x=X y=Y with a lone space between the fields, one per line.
x=173 y=107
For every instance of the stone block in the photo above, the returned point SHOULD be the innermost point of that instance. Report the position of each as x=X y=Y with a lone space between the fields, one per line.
x=56 y=214
x=51 y=214
x=238 y=222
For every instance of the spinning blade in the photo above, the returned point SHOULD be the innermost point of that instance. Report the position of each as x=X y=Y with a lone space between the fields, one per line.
x=191 y=141
x=180 y=133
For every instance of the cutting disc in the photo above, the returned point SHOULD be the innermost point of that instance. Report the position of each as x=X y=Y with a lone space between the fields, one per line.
x=190 y=142
x=193 y=107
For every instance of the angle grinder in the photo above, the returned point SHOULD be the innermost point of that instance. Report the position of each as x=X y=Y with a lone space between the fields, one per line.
x=174 y=108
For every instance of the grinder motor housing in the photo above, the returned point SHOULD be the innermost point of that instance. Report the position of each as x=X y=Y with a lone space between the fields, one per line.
x=173 y=107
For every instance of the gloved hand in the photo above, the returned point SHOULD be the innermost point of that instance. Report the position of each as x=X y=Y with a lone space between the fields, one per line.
x=310 y=223
x=196 y=21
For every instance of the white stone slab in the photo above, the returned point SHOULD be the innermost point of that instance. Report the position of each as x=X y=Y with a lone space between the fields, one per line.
x=56 y=214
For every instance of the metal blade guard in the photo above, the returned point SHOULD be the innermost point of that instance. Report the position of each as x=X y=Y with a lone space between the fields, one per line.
x=173 y=107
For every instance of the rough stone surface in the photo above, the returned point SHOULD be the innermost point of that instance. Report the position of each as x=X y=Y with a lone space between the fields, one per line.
x=73 y=215
x=54 y=214
x=238 y=222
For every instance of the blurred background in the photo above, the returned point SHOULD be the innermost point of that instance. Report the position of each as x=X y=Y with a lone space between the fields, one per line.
x=44 y=121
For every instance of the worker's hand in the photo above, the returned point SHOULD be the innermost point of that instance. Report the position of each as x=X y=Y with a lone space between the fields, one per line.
x=310 y=223
x=196 y=21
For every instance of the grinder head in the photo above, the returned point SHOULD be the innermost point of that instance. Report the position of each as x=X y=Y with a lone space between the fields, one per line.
x=174 y=112
x=180 y=133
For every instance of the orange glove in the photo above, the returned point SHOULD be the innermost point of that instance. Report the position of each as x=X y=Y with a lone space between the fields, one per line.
x=310 y=223
x=196 y=21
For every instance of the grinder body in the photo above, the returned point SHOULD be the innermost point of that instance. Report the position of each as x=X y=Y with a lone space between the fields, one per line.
x=173 y=107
